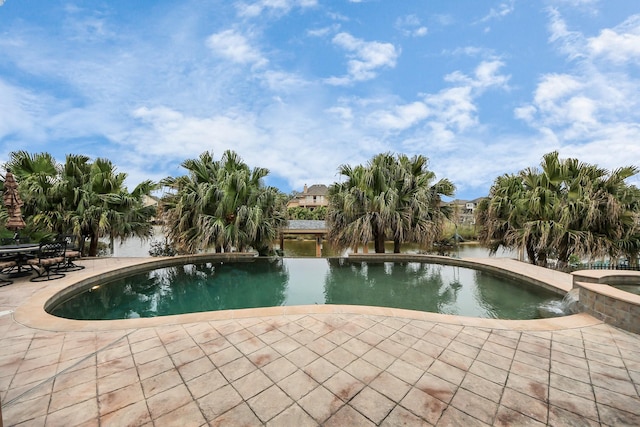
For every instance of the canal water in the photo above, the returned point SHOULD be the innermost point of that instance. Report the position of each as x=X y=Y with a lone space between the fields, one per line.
x=136 y=247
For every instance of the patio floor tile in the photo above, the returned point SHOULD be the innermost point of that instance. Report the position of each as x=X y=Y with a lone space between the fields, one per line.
x=343 y=385
x=474 y=405
x=297 y=385
x=206 y=383
x=292 y=416
x=347 y=416
x=320 y=404
x=372 y=404
x=120 y=398
x=252 y=384
x=218 y=402
x=82 y=413
x=188 y=415
x=269 y=403
x=525 y=404
x=424 y=405
x=240 y=415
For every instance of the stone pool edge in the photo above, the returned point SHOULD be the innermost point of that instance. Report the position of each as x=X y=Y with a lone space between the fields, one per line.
x=32 y=311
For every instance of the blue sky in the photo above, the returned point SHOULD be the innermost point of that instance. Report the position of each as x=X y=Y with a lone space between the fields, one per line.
x=481 y=88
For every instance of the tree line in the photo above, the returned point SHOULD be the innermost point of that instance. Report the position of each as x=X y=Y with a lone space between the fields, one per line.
x=564 y=208
x=82 y=197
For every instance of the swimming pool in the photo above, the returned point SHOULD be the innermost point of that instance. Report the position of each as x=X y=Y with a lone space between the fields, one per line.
x=264 y=282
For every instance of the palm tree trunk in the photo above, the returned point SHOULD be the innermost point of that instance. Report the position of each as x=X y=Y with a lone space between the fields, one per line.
x=531 y=253
x=93 y=245
x=379 y=242
x=396 y=246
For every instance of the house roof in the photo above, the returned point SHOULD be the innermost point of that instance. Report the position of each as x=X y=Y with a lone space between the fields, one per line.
x=318 y=190
x=314 y=190
x=461 y=202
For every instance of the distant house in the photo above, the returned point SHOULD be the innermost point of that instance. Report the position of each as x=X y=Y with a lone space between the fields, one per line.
x=465 y=210
x=310 y=197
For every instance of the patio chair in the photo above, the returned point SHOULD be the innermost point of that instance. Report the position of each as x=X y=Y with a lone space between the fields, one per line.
x=50 y=257
x=6 y=265
x=71 y=253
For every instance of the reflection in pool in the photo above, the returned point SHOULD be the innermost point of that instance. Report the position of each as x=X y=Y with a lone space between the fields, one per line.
x=299 y=281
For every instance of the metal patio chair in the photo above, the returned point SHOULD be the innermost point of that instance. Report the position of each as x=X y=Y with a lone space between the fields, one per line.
x=71 y=253
x=50 y=257
x=7 y=264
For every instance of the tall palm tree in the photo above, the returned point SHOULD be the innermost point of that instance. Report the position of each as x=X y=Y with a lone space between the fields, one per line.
x=356 y=213
x=222 y=205
x=36 y=175
x=564 y=208
x=392 y=196
x=420 y=214
x=81 y=197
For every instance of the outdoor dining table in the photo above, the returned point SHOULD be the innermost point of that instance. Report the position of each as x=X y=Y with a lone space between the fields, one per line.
x=21 y=252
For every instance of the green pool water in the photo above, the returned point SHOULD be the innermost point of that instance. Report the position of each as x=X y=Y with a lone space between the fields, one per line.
x=300 y=281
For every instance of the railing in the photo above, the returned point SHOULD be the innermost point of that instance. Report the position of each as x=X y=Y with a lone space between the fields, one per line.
x=596 y=265
x=605 y=266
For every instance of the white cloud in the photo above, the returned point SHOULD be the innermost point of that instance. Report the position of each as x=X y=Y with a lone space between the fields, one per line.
x=260 y=138
x=592 y=110
x=571 y=43
x=411 y=26
x=234 y=46
x=19 y=111
x=176 y=134
x=324 y=31
x=485 y=75
x=281 y=7
x=553 y=87
x=400 y=116
x=365 y=58
x=503 y=9
x=577 y=3
x=280 y=81
x=620 y=44
x=345 y=113
x=447 y=114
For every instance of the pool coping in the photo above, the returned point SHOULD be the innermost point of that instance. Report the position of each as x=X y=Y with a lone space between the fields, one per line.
x=600 y=298
x=31 y=312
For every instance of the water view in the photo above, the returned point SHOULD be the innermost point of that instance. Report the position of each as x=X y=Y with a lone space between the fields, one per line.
x=300 y=281
x=135 y=247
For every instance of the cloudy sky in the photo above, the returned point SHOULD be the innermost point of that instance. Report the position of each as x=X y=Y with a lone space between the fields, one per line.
x=300 y=87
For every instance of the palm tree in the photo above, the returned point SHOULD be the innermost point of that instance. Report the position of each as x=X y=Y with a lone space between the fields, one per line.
x=81 y=197
x=420 y=214
x=223 y=205
x=391 y=196
x=36 y=175
x=566 y=207
x=356 y=209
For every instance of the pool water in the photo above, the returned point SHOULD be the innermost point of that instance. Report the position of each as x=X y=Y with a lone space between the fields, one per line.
x=300 y=281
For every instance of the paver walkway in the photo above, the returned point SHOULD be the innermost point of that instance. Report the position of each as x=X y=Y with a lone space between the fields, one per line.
x=334 y=369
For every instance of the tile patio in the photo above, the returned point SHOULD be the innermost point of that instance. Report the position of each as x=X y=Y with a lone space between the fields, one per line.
x=334 y=368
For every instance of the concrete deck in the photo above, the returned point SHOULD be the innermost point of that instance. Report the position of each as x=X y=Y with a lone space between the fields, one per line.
x=318 y=365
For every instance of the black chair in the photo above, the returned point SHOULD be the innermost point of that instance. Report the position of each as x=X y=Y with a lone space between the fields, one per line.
x=7 y=264
x=49 y=259
x=71 y=253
